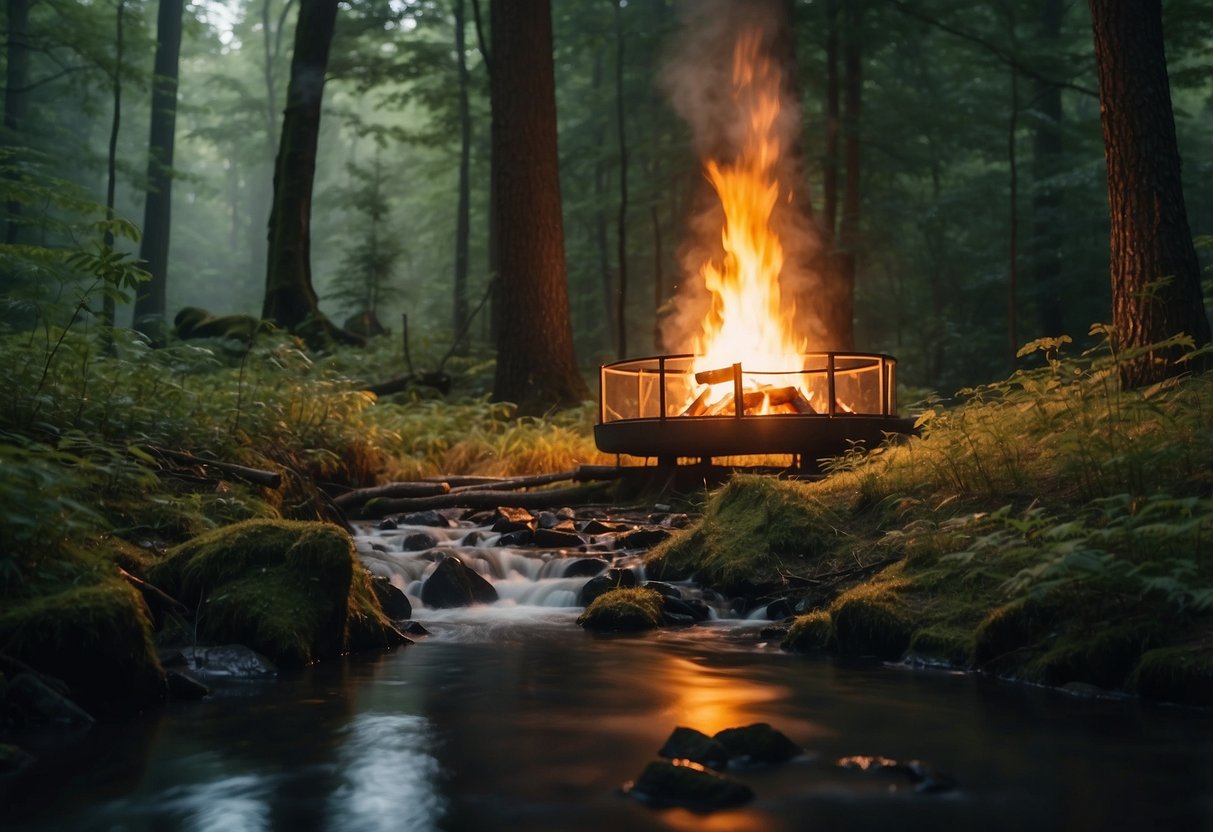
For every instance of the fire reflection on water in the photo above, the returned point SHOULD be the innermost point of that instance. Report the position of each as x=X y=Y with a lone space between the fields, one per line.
x=709 y=699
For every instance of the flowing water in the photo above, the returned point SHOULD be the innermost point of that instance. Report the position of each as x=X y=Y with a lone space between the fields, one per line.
x=510 y=717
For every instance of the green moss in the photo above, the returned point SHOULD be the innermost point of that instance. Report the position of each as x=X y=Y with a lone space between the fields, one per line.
x=292 y=590
x=1103 y=655
x=1182 y=674
x=810 y=632
x=1011 y=630
x=941 y=644
x=753 y=529
x=96 y=638
x=870 y=620
x=624 y=610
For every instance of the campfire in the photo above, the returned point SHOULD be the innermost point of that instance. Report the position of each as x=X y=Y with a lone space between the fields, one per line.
x=751 y=384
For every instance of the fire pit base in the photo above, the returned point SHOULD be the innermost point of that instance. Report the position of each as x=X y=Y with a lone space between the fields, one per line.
x=811 y=437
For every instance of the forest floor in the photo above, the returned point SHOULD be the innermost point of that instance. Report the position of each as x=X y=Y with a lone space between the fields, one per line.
x=1049 y=527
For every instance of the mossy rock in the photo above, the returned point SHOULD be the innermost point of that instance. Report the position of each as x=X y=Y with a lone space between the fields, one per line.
x=95 y=638
x=752 y=529
x=1176 y=674
x=1103 y=655
x=810 y=632
x=294 y=591
x=870 y=621
x=941 y=644
x=690 y=785
x=1009 y=629
x=624 y=610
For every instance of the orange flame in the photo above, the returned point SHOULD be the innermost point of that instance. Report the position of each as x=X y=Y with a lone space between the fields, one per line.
x=748 y=321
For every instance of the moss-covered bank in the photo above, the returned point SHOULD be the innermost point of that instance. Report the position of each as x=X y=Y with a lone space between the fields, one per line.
x=292 y=590
x=1052 y=528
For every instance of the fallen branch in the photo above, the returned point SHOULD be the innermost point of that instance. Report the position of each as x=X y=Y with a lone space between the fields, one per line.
x=520 y=482
x=153 y=596
x=555 y=498
x=256 y=476
x=352 y=500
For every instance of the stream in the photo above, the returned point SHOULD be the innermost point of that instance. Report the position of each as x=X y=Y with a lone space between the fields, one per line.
x=510 y=717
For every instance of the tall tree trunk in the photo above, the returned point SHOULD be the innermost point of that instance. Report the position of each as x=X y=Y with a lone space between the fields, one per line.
x=16 y=96
x=149 y=315
x=290 y=299
x=111 y=182
x=621 y=235
x=1155 y=273
x=536 y=367
x=843 y=329
x=1046 y=277
x=494 y=316
x=1013 y=223
x=463 y=208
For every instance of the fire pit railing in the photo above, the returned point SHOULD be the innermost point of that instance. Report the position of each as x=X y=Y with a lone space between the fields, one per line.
x=840 y=384
x=661 y=407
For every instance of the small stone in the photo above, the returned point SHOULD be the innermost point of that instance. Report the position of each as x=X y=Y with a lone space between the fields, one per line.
x=684 y=783
x=387 y=524
x=641 y=539
x=395 y=604
x=676 y=521
x=418 y=542
x=566 y=513
x=696 y=746
x=425 y=518
x=584 y=567
x=678 y=607
x=414 y=628
x=513 y=519
x=453 y=584
x=547 y=520
x=521 y=537
x=553 y=539
x=664 y=588
x=598 y=527
x=229 y=660
x=757 y=744
x=612 y=579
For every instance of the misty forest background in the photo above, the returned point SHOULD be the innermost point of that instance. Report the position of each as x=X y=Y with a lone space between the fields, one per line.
x=981 y=222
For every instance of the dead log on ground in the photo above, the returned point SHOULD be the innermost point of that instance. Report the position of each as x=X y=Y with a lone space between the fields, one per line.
x=555 y=498
x=351 y=500
x=256 y=476
x=520 y=482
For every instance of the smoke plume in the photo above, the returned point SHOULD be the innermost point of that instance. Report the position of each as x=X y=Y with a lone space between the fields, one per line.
x=698 y=78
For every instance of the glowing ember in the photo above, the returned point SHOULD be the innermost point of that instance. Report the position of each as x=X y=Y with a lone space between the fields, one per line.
x=748 y=321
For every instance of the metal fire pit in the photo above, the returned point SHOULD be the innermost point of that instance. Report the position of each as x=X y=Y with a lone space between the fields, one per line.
x=643 y=402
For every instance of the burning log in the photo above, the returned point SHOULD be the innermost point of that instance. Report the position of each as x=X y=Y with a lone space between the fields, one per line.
x=697 y=407
x=777 y=400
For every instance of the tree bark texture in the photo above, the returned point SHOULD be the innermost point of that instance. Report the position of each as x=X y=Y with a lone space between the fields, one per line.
x=1151 y=241
x=536 y=366
x=111 y=181
x=157 y=208
x=290 y=299
x=621 y=232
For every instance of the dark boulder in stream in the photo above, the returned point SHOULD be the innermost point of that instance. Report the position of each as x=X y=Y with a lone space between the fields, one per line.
x=556 y=539
x=613 y=579
x=452 y=584
x=433 y=519
x=687 y=784
x=696 y=746
x=623 y=611
x=757 y=745
x=584 y=567
x=396 y=604
x=418 y=542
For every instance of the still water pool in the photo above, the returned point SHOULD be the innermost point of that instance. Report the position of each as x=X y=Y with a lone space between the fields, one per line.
x=512 y=718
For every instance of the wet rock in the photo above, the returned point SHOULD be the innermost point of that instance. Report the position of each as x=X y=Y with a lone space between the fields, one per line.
x=566 y=513
x=553 y=539
x=696 y=746
x=584 y=567
x=613 y=579
x=664 y=588
x=414 y=628
x=780 y=609
x=521 y=537
x=777 y=632
x=33 y=699
x=425 y=518
x=387 y=524
x=481 y=518
x=452 y=584
x=183 y=686
x=599 y=527
x=623 y=611
x=676 y=521
x=396 y=604
x=687 y=784
x=699 y=609
x=513 y=519
x=418 y=542
x=454 y=515
x=379 y=547
x=678 y=607
x=547 y=520
x=757 y=745
x=643 y=539
x=233 y=661
x=922 y=776
x=673 y=619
